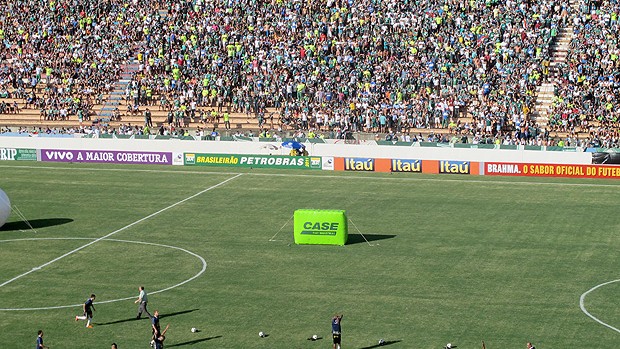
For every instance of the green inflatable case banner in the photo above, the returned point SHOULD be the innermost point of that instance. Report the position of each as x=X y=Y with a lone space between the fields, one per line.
x=320 y=227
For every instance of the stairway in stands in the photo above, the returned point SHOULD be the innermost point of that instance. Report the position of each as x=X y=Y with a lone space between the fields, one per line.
x=115 y=99
x=559 y=52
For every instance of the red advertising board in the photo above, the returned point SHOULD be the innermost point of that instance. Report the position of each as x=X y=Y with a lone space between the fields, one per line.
x=407 y=165
x=550 y=170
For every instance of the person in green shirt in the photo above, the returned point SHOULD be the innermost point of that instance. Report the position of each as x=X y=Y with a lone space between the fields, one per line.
x=226 y=117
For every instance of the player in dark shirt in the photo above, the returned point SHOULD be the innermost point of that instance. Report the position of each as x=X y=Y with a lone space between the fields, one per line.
x=88 y=308
x=159 y=336
x=155 y=323
x=155 y=327
x=158 y=342
x=336 y=330
x=40 y=341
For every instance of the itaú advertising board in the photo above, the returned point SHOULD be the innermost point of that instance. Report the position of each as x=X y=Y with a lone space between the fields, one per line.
x=407 y=165
x=550 y=170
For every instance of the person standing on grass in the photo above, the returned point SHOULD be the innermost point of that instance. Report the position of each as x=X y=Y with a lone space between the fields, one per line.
x=336 y=330
x=40 y=340
x=88 y=308
x=155 y=327
x=142 y=301
x=114 y=346
x=530 y=346
x=159 y=339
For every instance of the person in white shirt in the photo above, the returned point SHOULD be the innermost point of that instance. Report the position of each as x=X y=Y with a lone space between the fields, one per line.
x=142 y=302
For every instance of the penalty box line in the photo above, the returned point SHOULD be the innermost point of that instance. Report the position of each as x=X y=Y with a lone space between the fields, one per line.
x=117 y=231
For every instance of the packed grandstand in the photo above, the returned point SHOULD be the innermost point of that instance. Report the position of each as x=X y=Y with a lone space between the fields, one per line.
x=454 y=69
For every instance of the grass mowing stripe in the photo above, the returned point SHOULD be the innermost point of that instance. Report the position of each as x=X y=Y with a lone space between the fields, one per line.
x=507 y=181
x=116 y=231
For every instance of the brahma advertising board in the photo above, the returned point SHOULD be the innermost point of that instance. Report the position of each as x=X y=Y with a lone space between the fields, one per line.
x=551 y=170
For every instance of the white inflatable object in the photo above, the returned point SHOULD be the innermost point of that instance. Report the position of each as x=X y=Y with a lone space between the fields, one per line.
x=5 y=207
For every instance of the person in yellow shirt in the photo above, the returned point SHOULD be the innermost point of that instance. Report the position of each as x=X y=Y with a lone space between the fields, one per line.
x=226 y=117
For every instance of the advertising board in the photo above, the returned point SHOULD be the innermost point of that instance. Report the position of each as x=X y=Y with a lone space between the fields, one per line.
x=256 y=161
x=17 y=154
x=107 y=156
x=551 y=170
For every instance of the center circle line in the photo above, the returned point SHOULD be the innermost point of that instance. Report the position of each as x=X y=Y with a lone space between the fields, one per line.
x=204 y=267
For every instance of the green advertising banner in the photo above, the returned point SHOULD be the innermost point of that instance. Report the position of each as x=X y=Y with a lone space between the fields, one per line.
x=257 y=161
x=474 y=146
x=508 y=147
x=320 y=227
x=18 y=154
x=434 y=145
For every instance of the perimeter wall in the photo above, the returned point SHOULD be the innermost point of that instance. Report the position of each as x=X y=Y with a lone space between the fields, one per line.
x=367 y=156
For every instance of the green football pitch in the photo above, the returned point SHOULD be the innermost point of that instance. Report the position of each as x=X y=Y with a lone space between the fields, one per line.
x=430 y=259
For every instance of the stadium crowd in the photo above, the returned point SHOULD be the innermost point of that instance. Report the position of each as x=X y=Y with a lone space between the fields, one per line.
x=344 y=65
x=361 y=65
x=588 y=87
x=61 y=56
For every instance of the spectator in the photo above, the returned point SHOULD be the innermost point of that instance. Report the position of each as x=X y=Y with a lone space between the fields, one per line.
x=334 y=65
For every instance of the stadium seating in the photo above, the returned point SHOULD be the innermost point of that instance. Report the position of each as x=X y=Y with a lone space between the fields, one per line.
x=493 y=69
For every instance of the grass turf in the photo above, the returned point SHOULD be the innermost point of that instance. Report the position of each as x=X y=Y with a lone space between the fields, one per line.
x=448 y=258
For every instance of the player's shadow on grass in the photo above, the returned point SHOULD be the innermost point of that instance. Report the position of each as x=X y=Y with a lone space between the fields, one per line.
x=146 y=317
x=117 y=321
x=177 y=313
x=359 y=238
x=36 y=223
x=193 y=342
x=381 y=345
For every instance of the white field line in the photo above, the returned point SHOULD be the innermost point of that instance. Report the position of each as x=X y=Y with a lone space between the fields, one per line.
x=202 y=260
x=116 y=231
x=318 y=175
x=585 y=311
x=273 y=237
